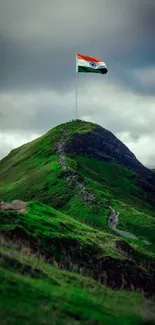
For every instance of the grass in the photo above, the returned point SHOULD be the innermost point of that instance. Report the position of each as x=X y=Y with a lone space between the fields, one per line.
x=60 y=297
x=67 y=241
x=112 y=185
x=33 y=172
x=65 y=231
x=53 y=233
x=46 y=178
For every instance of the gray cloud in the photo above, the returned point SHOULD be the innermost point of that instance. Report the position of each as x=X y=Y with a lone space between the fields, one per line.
x=111 y=105
x=38 y=42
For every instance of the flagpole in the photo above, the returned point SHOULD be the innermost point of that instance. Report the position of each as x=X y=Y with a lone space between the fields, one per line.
x=76 y=91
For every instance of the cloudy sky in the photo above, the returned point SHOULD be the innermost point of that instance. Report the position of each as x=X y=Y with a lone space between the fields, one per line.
x=38 y=43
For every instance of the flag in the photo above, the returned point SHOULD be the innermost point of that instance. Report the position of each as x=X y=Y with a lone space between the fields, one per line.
x=92 y=64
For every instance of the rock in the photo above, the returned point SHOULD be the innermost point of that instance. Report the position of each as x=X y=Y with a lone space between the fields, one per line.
x=16 y=205
x=73 y=178
x=103 y=145
x=124 y=274
x=5 y=206
x=125 y=247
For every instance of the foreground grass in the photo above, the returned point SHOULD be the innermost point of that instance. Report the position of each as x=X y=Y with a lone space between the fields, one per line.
x=33 y=292
x=39 y=293
x=53 y=233
x=65 y=240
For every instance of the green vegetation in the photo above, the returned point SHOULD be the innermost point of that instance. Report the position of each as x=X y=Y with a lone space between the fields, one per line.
x=112 y=185
x=53 y=293
x=53 y=233
x=61 y=229
x=32 y=172
x=33 y=292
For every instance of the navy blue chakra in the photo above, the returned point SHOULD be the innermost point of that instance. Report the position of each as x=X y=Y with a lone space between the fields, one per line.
x=93 y=64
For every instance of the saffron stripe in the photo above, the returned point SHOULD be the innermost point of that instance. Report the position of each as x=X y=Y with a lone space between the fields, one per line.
x=88 y=58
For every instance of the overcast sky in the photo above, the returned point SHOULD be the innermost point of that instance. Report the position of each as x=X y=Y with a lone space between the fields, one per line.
x=38 y=43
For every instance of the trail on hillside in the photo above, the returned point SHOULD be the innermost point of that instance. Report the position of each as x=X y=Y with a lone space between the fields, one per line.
x=72 y=177
x=113 y=221
x=87 y=197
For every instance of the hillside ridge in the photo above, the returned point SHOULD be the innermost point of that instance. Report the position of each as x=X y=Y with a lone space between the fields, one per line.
x=104 y=145
x=77 y=200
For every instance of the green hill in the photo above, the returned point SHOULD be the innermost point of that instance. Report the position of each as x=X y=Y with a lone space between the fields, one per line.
x=70 y=178
x=35 y=171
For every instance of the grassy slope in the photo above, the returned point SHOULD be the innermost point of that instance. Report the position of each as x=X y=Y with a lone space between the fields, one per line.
x=56 y=296
x=33 y=172
x=58 y=237
x=53 y=232
x=116 y=186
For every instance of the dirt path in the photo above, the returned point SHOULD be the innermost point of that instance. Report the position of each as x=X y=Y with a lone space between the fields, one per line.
x=72 y=177
x=113 y=221
x=88 y=197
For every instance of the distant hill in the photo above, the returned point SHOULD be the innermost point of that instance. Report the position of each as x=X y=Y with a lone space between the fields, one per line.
x=71 y=179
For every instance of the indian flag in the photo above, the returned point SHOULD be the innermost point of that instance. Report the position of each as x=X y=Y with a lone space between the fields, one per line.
x=86 y=63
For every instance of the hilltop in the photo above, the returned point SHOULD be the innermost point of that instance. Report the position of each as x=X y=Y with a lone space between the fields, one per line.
x=53 y=168
x=72 y=180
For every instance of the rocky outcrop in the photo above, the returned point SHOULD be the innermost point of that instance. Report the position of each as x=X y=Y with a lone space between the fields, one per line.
x=116 y=273
x=62 y=158
x=73 y=178
x=15 y=205
x=103 y=145
x=125 y=248
x=123 y=274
